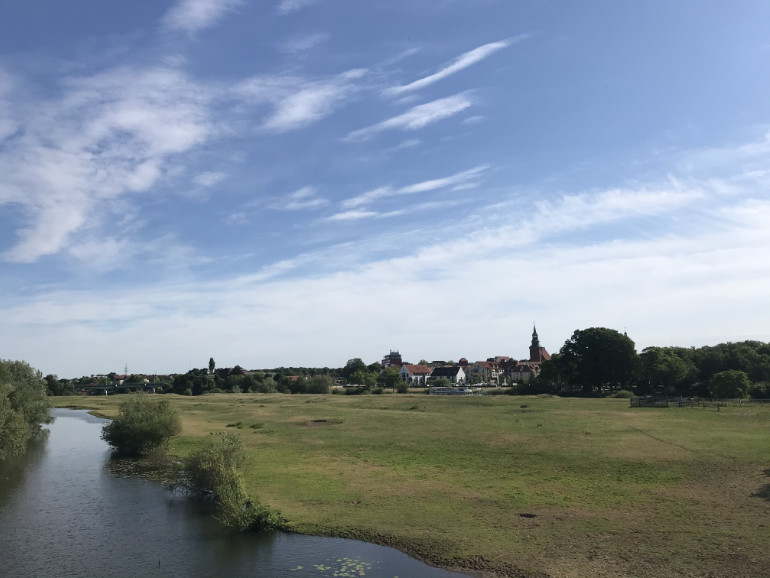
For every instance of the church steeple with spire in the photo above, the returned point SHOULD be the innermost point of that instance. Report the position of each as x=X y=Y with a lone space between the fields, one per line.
x=535 y=351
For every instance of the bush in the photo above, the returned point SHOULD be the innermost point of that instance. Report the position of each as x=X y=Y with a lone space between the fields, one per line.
x=402 y=387
x=212 y=472
x=319 y=384
x=142 y=425
x=623 y=394
x=440 y=382
x=357 y=390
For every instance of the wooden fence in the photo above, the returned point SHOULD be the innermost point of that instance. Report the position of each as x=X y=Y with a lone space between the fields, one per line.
x=663 y=401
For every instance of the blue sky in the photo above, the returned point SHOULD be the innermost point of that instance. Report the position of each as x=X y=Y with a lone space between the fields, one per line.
x=300 y=182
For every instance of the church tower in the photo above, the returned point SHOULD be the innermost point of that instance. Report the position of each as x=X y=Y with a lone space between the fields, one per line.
x=534 y=349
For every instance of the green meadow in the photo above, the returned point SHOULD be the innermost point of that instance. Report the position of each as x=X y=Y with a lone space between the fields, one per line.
x=503 y=485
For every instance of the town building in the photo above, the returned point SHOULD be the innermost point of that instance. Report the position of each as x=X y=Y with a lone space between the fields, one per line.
x=523 y=370
x=537 y=354
x=393 y=359
x=455 y=374
x=485 y=372
x=415 y=375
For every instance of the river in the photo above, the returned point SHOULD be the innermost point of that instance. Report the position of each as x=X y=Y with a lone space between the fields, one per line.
x=62 y=513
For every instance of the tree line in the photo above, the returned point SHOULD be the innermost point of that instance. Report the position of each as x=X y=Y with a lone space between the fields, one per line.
x=594 y=361
x=599 y=360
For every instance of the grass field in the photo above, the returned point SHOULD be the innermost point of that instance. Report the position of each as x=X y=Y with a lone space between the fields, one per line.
x=508 y=485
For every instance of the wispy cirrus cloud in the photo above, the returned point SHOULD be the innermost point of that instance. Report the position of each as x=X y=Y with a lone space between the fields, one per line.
x=360 y=214
x=460 y=179
x=298 y=102
x=290 y=6
x=194 y=15
x=302 y=199
x=418 y=117
x=353 y=215
x=460 y=63
x=304 y=42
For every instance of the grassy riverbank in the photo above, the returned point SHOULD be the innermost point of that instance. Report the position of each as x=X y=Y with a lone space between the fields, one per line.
x=532 y=486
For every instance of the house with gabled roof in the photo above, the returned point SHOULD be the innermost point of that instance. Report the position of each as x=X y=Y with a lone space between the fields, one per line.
x=454 y=374
x=522 y=371
x=415 y=374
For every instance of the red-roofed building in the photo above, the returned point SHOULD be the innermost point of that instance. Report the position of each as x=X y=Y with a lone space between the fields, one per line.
x=415 y=374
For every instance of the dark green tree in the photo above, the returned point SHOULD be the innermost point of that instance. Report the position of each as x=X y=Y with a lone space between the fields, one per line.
x=143 y=424
x=23 y=406
x=553 y=375
x=661 y=366
x=181 y=384
x=56 y=386
x=298 y=385
x=598 y=357
x=212 y=365
x=352 y=366
x=375 y=367
x=729 y=384
x=390 y=378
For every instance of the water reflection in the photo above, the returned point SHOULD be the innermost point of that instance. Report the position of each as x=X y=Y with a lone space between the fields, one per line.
x=14 y=470
x=62 y=513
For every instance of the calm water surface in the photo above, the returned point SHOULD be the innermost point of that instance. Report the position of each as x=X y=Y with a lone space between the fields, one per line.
x=62 y=513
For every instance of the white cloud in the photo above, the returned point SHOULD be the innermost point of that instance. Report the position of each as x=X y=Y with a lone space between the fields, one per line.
x=304 y=42
x=208 y=179
x=290 y=6
x=194 y=15
x=237 y=218
x=107 y=136
x=418 y=117
x=353 y=215
x=409 y=143
x=471 y=120
x=673 y=284
x=304 y=198
x=458 y=179
x=298 y=102
x=461 y=62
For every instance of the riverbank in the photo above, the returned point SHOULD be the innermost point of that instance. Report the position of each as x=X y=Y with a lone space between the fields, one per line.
x=506 y=485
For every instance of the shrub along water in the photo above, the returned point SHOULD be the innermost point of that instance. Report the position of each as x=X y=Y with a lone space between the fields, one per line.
x=23 y=406
x=212 y=472
x=143 y=425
